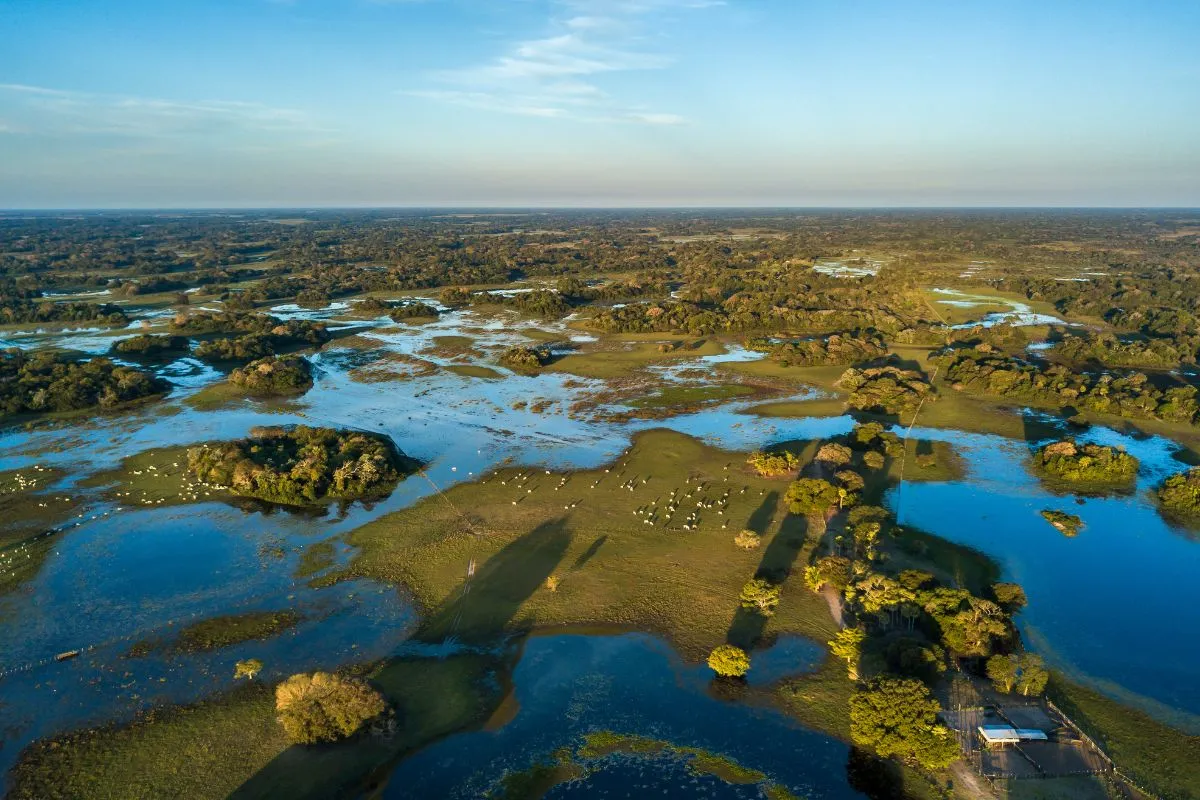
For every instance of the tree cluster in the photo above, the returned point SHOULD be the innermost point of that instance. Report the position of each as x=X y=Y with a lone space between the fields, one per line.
x=274 y=375
x=301 y=466
x=46 y=381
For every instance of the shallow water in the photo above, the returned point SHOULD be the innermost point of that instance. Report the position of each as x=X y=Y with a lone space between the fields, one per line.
x=569 y=685
x=1109 y=606
x=1018 y=314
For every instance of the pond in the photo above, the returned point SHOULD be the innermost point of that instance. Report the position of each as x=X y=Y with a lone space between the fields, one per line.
x=635 y=686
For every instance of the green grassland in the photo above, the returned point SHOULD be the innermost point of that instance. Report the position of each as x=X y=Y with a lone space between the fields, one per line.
x=231 y=746
x=29 y=511
x=617 y=356
x=1159 y=758
x=611 y=567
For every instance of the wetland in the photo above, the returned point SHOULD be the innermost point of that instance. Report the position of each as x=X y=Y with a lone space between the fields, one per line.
x=510 y=502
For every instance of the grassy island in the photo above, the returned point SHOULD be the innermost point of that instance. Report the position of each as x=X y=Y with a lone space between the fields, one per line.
x=1066 y=524
x=274 y=375
x=1179 y=495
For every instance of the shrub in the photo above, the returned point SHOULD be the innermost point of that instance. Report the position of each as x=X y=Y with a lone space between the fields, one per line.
x=834 y=453
x=811 y=496
x=520 y=357
x=898 y=717
x=149 y=344
x=747 y=539
x=46 y=382
x=729 y=661
x=323 y=707
x=412 y=311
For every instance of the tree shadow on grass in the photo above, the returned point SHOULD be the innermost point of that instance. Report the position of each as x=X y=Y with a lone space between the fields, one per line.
x=433 y=696
x=761 y=517
x=776 y=566
x=586 y=555
x=484 y=605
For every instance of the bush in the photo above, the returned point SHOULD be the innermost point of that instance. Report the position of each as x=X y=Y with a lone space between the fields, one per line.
x=811 y=496
x=1067 y=524
x=520 y=357
x=898 y=717
x=747 y=539
x=729 y=661
x=324 y=707
x=412 y=311
x=149 y=344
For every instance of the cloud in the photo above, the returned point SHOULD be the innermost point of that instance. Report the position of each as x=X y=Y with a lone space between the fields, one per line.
x=60 y=112
x=558 y=75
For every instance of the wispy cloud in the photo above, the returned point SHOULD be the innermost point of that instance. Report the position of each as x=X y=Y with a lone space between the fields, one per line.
x=59 y=112
x=557 y=75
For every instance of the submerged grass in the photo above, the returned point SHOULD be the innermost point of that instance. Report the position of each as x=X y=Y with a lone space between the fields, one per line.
x=610 y=360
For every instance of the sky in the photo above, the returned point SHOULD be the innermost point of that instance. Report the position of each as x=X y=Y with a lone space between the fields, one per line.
x=294 y=103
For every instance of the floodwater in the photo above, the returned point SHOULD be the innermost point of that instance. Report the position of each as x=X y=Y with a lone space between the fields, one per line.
x=567 y=686
x=1018 y=314
x=1113 y=605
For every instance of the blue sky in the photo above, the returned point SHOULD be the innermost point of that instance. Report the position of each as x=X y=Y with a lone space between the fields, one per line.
x=130 y=103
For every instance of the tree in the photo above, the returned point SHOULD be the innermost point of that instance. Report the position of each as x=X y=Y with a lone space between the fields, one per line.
x=834 y=453
x=898 y=717
x=747 y=539
x=831 y=570
x=1009 y=595
x=1024 y=672
x=323 y=707
x=811 y=496
x=1032 y=675
x=760 y=595
x=972 y=631
x=729 y=661
x=1002 y=671
x=847 y=645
